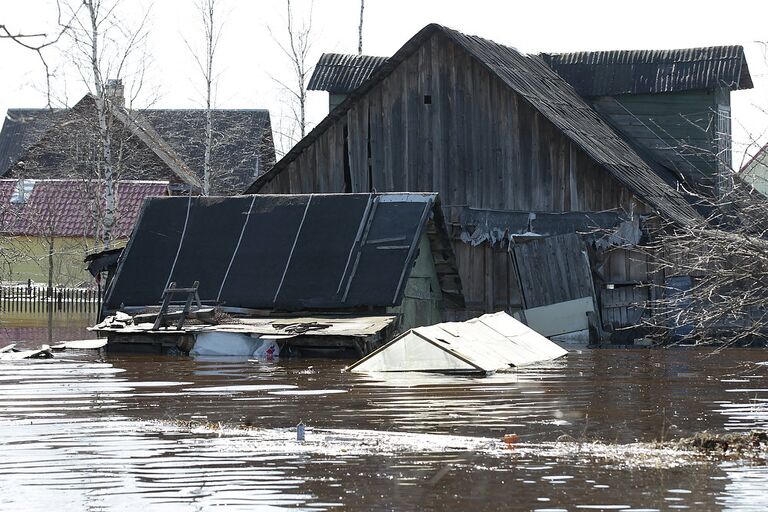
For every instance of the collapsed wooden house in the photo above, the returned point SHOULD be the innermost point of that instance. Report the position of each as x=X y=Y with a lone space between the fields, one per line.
x=324 y=271
x=548 y=166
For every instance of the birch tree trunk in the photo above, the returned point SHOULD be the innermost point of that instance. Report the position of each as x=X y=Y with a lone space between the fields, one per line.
x=106 y=170
x=360 y=29
x=210 y=47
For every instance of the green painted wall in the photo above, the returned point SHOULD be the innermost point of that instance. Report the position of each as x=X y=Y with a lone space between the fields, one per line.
x=677 y=129
x=26 y=258
x=422 y=299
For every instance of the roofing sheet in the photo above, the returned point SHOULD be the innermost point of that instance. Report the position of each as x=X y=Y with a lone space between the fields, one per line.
x=652 y=71
x=242 y=142
x=294 y=252
x=341 y=74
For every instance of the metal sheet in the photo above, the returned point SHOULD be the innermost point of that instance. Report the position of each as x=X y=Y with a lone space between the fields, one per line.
x=560 y=318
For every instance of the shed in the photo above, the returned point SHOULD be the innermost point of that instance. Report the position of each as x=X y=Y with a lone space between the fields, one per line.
x=487 y=344
x=294 y=256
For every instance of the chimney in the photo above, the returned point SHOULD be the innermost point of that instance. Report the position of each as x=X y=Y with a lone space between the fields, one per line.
x=115 y=91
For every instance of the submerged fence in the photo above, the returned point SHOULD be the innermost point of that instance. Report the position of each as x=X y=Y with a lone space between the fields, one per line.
x=26 y=299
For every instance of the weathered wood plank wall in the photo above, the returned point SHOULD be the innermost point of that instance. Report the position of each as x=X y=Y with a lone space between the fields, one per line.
x=489 y=279
x=441 y=122
x=553 y=269
x=678 y=129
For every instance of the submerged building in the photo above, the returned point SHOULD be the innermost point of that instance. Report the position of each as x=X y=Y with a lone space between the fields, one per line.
x=316 y=270
x=549 y=167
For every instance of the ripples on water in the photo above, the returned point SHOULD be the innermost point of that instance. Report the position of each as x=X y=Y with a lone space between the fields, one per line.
x=81 y=432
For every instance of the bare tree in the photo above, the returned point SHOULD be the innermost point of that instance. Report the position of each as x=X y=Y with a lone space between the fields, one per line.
x=211 y=32
x=716 y=273
x=297 y=48
x=360 y=29
x=102 y=49
x=37 y=42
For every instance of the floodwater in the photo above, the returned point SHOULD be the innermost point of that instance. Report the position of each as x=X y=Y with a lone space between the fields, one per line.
x=93 y=431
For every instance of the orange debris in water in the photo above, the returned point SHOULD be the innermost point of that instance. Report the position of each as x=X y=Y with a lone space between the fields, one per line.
x=511 y=438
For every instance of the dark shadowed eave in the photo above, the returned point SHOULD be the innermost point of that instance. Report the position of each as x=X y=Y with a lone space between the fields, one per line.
x=341 y=74
x=609 y=73
x=555 y=99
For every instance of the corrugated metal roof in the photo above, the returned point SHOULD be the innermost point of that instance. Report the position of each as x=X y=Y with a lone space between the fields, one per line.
x=609 y=73
x=531 y=77
x=66 y=207
x=340 y=74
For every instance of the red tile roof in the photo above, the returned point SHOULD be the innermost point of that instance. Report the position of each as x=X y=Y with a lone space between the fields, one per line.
x=68 y=208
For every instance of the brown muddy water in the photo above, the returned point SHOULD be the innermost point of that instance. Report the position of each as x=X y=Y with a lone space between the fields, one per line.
x=93 y=431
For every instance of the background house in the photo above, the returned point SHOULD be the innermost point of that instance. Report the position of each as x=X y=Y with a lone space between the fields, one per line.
x=149 y=144
x=755 y=171
x=518 y=155
x=48 y=226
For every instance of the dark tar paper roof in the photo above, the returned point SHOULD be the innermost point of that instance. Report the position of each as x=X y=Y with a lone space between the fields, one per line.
x=286 y=252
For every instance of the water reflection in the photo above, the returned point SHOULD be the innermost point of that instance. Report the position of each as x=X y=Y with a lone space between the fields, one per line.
x=80 y=432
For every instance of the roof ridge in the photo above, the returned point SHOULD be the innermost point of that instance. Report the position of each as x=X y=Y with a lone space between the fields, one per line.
x=606 y=149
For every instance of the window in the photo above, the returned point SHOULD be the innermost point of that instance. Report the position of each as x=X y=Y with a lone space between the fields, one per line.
x=723 y=148
x=22 y=191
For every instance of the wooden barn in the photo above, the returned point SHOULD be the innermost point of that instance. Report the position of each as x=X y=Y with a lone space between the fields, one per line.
x=545 y=187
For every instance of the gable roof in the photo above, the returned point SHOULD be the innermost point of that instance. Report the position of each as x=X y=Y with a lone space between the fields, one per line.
x=755 y=171
x=341 y=74
x=66 y=208
x=242 y=138
x=286 y=252
x=530 y=77
x=608 y=73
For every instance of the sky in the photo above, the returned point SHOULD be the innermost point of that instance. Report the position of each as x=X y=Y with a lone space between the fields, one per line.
x=250 y=64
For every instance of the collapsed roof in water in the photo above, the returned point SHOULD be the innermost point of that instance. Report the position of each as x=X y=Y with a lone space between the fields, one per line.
x=486 y=344
x=320 y=252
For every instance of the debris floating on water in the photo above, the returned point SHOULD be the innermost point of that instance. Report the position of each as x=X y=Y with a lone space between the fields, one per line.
x=11 y=353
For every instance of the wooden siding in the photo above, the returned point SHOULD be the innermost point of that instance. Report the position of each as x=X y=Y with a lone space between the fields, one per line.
x=553 y=269
x=489 y=280
x=632 y=276
x=441 y=122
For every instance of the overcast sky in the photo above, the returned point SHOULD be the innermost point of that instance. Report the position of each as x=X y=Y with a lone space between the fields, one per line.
x=249 y=61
